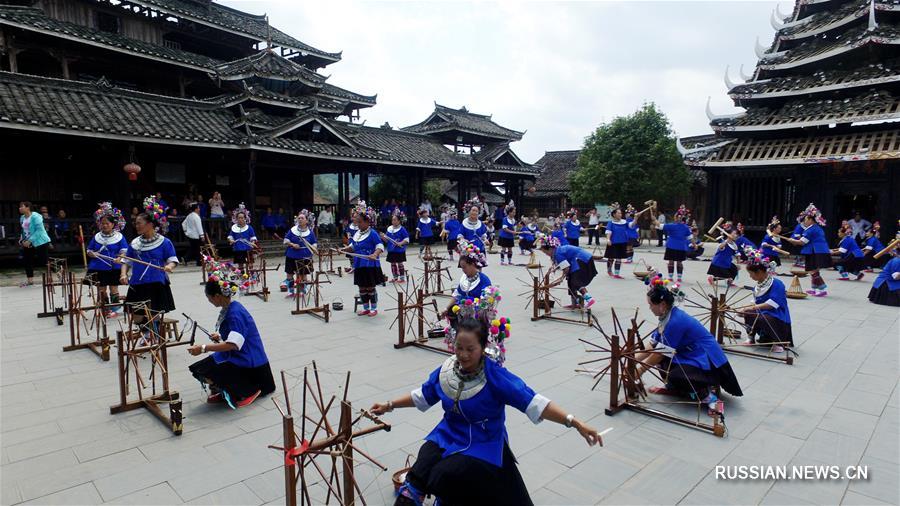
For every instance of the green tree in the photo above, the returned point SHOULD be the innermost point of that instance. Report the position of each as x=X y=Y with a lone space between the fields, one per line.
x=631 y=160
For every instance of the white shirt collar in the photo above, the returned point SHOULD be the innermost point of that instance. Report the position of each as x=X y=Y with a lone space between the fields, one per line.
x=237 y=229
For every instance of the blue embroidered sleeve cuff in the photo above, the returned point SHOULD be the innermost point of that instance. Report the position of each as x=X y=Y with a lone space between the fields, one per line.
x=772 y=303
x=536 y=408
x=236 y=338
x=419 y=400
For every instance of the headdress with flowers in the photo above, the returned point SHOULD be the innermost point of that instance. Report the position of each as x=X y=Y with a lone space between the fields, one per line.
x=683 y=213
x=630 y=210
x=228 y=275
x=755 y=257
x=658 y=284
x=452 y=212
x=571 y=212
x=399 y=214
x=740 y=228
x=813 y=212
x=728 y=226
x=370 y=212
x=774 y=223
x=240 y=209
x=310 y=217
x=484 y=308
x=472 y=202
x=157 y=211
x=548 y=241
x=613 y=207
x=472 y=252
x=107 y=209
x=511 y=206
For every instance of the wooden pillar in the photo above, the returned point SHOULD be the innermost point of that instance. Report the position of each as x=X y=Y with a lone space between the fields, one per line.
x=250 y=188
x=364 y=185
x=342 y=197
x=64 y=64
x=461 y=184
x=13 y=62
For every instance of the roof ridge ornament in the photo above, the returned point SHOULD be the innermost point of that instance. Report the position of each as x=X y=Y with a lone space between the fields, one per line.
x=745 y=77
x=776 y=23
x=713 y=117
x=103 y=82
x=780 y=15
x=872 y=23
x=728 y=82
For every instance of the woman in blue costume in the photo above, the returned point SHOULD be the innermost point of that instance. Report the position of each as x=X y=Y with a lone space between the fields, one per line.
x=768 y=319
x=451 y=230
x=771 y=243
x=298 y=257
x=508 y=234
x=873 y=245
x=242 y=237
x=572 y=227
x=617 y=232
x=578 y=269
x=527 y=235
x=471 y=228
x=722 y=265
x=108 y=242
x=424 y=230
x=852 y=261
x=886 y=288
x=238 y=370
x=367 y=247
x=814 y=248
x=678 y=235
x=396 y=237
x=150 y=283
x=466 y=459
x=697 y=365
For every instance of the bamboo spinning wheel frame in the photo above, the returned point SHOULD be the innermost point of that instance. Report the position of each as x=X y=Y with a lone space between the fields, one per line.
x=309 y=300
x=716 y=308
x=542 y=301
x=321 y=461
x=434 y=275
x=620 y=349
x=256 y=269
x=87 y=318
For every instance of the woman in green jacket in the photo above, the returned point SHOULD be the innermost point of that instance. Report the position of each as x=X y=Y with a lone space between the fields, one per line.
x=34 y=240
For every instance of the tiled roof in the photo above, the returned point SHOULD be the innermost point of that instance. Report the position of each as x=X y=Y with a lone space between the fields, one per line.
x=820 y=81
x=266 y=64
x=821 y=48
x=331 y=90
x=253 y=26
x=554 y=169
x=827 y=20
x=868 y=106
x=445 y=119
x=100 y=110
x=29 y=18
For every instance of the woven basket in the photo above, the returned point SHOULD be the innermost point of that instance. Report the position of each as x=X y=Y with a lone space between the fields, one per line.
x=799 y=272
x=400 y=476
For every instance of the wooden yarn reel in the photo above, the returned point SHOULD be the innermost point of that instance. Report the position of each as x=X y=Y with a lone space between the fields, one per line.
x=325 y=262
x=620 y=350
x=543 y=302
x=256 y=268
x=320 y=459
x=55 y=276
x=87 y=319
x=717 y=311
x=433 y=276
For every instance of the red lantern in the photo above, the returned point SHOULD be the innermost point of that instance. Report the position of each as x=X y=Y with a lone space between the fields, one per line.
x=133 y=170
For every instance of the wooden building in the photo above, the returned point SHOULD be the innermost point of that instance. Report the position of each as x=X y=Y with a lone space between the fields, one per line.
x=200 y=94
x=820 y=122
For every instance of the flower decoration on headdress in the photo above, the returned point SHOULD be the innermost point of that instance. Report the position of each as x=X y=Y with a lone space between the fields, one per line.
x=757 y=257
x=774 y=223
x=106 y=209
x=484 y=308
x=510 y=207
x=876 y=227
x=659 y=283
x=310 y=217
x=228 y=275
x=452 y=212
x=571 y=212
x=157 y=211
x=683 y=213
x=401 y=216
x=240 y=209
x=473 y=202
x=630 y=210
x=613 y=207
x=740 y=228
x=371 y=213
x=728 y=226
x=813 y=212
x=548 y=241
x=472 y=252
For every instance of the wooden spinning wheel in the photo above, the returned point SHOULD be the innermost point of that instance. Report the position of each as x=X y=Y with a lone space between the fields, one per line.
x=256 y=269
x=151 y=340
x=325 y=260
x=621 y=361
x=544 y=303
x=717 y=310
x=434 y=275
x=87 y=318
x=320 y=460
x=308 y=297
x=56 y=276
x=413 y=325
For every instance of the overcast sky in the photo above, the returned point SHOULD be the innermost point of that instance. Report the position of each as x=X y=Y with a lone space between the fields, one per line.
x=555 y=69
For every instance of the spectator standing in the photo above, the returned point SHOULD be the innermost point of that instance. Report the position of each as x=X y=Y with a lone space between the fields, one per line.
x=660 y=234
x=859 y=227
x=34 y=240
x=326 y=221
x=593 y=221
x=193 y=230
x=269 y=223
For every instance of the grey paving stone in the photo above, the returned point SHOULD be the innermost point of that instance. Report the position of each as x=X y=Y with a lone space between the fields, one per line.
x=237 y=494
x=852 y=498
x=838 y=449
x=161 y=494
x=882 y=482
x=53 y=480
x=80 y=494
x=850 y=423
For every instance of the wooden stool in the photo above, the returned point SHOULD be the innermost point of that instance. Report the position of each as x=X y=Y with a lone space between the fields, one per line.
x=169 y=329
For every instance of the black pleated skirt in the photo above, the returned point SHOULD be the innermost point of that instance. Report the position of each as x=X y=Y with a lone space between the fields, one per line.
x=103 y=278
x=158 y=294
x=460 y=480
x=616 y=251
x=722 y=272
x=851 y=264
x=769 y=329
x=573 y=241
x=525 y=244
x=583 y=276
x=240 y=257
x=675 y=255
x=885 y=296
x=688 y=379
x=394 y=257
x=368 y=276
x=816 y=261
x=451 y=245
x=872 y=262
x=301 y=266
x=506 y=242
x=239 y=382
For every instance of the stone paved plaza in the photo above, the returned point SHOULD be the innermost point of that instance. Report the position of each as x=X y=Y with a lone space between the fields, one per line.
x=837 y=405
